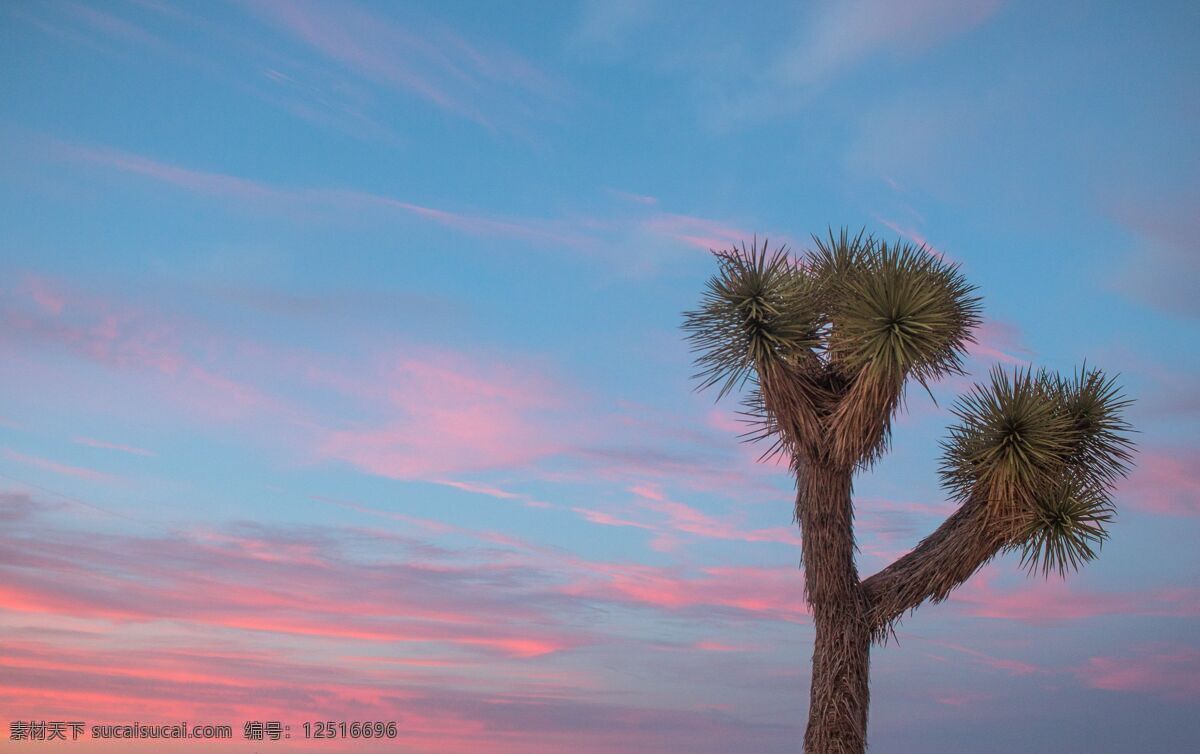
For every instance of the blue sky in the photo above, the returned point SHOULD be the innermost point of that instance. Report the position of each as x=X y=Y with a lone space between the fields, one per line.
x=342 y=369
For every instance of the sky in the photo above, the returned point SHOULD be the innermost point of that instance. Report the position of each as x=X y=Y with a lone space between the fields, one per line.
x=342 y=378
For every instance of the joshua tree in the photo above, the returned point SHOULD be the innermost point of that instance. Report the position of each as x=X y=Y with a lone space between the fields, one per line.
x=827 y=342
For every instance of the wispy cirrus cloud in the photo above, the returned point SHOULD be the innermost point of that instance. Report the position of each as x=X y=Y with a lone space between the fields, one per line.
x=397 y=410
x=1165 y=482
x=697 y=232
x=841 y=36
x=1055 y=601
x=449 y=415
x=425 y=59
x=1171 y=672
x=1000 y=341
x=671 y=522
x=56 y=467
x=314 y=203
x=769 y=593
x=92 y=442
x=654 y=232
x=171 y=358
x=914 y=235
x=681 y=517
x=341 y=65
x=1005 y=665
x=1164 y=261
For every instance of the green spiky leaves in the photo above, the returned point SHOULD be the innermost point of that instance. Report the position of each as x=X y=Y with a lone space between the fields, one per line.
x=854 y=304
x=758 y=311
x=1046 y=452
x=1095 y=407
x=896 y=311
x=830 y=338
x=1065 y=528
x=1012 y=436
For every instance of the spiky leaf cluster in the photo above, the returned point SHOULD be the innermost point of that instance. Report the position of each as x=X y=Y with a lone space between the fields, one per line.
x=1012 y=434
x=1065 y=528
x=836 y=333
x=758 y=311
x=1094 y=404
x=852 y=303
x=895 y=310
x=1045 y=451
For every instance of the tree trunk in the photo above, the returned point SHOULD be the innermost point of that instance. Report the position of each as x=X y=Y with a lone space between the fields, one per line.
x=838 y=704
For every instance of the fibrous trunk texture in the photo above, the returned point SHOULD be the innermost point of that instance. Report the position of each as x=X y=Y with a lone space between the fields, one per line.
x=837 y=715
x=945 y=559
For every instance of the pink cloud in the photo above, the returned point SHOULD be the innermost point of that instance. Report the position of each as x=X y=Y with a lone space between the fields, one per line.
x=481 y=489
x=684 y=518
x=914 y=236
x=698 y=232
x=727 y=422
x=363 y=43
x=634 y=198
x=54 y=467
x=678 y=518
x=130 y=449
x=45 y=295
x=1000 y=341
x=534 y=713
x=1040 y=602
x=773 y=593
x=717 y=646
x=448 y=415
x=1165 y=482
x=195 y=181
x=606 y=519
x=1010 y=666
x=1171 y=672
x=166 y=356
x=886 y=529
x=649 y=492
x=541 y=231
x=962 y=698
x=768 y=593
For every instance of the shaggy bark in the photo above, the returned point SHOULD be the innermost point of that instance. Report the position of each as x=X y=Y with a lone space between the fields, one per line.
x=949 y=556
x=840 y=696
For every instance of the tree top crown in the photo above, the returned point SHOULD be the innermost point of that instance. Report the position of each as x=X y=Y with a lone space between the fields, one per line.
x=852 y=307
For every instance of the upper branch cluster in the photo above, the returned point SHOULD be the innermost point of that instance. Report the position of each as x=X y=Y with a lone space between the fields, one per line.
x=828 y=339
x=1045 y=452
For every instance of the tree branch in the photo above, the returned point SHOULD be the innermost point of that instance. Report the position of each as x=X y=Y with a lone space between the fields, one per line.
x=793 y=402
x=949 y=556
x=860 y=424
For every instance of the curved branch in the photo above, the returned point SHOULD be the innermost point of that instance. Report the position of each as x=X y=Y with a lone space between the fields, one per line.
x=861 y=422
x=793 y=403
x=949 y=556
